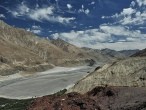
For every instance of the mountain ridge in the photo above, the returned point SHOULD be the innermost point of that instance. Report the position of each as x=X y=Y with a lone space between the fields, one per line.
x=25 y=50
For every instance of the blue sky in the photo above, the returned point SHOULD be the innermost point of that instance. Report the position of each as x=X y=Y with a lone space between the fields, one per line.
x=114 y=24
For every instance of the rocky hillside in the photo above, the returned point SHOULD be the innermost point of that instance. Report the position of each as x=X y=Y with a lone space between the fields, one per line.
x=24 y=51
x=100 y=98
x=113 y=53
x=119 y=54
x=141 y=53
x=19 y=51
x=99 y=56
x=128 y=53
x=130 y=72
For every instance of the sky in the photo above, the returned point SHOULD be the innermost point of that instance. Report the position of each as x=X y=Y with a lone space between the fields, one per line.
x=98 y=24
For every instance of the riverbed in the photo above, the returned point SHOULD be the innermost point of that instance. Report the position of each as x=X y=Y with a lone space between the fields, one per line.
x=44 y=83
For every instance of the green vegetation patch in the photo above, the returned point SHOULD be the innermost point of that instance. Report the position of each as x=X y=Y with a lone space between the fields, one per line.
x=13 y=104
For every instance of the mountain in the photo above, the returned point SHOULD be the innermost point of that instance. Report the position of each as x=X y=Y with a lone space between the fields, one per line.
x=93 y=54
x=100 y=56
x=129 y=52
x=129 y=72
x=141 y=53
x=119 y=54
x=24 y=51
x=19 y=51
x=112 y=53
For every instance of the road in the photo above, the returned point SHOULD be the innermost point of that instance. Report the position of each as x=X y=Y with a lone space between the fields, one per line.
x=43 y=83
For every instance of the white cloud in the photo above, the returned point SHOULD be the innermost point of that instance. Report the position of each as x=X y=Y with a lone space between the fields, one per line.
x=121 y=45
x=2 y=16
x=69 y=6
x=40 y=14
x=92 y=3
x=128 y=11
x=103 y=38
x=120 y=31
x=141 y=2
x=35 y=29
x=87 y=11
x=83 y=10
x=132 y=4
x=131 y=16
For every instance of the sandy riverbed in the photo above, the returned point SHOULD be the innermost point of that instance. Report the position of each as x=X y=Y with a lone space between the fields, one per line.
x=22 y=87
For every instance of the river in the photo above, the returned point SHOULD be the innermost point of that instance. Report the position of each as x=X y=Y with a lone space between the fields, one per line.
x=43 y=83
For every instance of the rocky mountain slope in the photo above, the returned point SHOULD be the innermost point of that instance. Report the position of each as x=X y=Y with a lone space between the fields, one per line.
x=129 y=52
x=19 y=51
x=113 y=53
x=130 y=72
x=141 y=53
x=119 y=54
x=89 y=53
x=100 y=98
x=24 y=51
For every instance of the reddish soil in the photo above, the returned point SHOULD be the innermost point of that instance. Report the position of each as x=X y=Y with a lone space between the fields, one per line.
x=100 y=98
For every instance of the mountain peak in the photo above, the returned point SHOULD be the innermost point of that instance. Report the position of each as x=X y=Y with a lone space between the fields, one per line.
x=3 y=24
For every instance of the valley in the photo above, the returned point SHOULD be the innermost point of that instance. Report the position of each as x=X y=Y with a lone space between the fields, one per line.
x=51 y=74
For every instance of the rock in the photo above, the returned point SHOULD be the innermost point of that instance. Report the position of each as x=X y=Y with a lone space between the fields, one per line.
x=3 y=60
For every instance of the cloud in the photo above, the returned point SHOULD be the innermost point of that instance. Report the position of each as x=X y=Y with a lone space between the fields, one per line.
x=83 y=10
x=2 y=16
x=120 y=31
x=35 y=29
x=141 y=2
x=134 y=15
x=69 y=6
x=128 y=11
x=92 y=3
x=114 y=37
x=40 y=14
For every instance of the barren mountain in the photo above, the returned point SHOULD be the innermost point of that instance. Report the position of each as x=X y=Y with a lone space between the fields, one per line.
x=130 y=72
x=119 y=54
x=113 y=53
x=141 y=53
x=93 y=54
x=19 y=51
x=24 y=51
x=129 y=52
